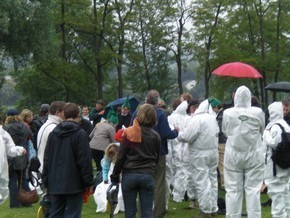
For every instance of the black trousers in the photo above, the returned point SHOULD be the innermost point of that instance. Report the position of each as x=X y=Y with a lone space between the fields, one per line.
x=97 y=156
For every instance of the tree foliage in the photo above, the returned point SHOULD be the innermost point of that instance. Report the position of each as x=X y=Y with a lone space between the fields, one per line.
x=81 y=50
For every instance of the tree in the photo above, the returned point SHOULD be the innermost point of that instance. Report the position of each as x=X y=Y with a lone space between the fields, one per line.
x=180 y=37
x=148 y=56
x=206 y=18
x=123 y=12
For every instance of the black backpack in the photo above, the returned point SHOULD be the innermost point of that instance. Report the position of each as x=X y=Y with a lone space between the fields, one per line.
x=281 y=155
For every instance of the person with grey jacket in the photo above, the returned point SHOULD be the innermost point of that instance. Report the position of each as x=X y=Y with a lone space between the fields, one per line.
x=101 y=136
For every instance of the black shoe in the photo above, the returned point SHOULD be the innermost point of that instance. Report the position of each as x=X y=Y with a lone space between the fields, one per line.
x=267 y=203
x=221 y=212
x=186 y=198
x=244 y=213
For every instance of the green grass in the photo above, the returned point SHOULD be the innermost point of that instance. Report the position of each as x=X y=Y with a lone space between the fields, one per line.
x=89 y=210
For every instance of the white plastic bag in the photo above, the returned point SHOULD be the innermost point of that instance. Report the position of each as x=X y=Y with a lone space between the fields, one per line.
x=100 y=197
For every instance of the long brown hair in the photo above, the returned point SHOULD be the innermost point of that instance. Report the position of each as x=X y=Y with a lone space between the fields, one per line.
x=147 y=115
x=112 y=152
x=10 y=119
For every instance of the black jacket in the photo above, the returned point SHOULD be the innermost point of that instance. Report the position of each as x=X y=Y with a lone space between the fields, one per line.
x=139 y=158
x=19 y=133
x=67 y=159
x=123 y=120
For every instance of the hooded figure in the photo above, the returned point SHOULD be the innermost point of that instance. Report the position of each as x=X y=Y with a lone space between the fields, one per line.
x=126 y=104
x=277 y=185
x=112 y=116
x=175 y=166
x=124 y=117
x=244 y=160
x=201 y=133
x=67 y=167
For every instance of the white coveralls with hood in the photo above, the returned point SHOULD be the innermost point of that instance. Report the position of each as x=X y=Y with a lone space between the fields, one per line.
x=244 y=157
x=278 y=189
x=175 y=160
x=201 y=133
x=7 y=148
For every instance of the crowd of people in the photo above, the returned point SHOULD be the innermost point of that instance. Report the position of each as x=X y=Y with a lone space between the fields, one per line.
x=200 y=147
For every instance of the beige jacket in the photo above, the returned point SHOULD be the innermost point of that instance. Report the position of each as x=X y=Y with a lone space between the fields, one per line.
x=102 y=135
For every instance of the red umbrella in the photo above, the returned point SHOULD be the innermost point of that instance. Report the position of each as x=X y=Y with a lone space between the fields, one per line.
x=237 y=69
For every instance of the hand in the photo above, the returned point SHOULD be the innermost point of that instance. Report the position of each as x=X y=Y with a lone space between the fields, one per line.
x=177 y=128
x=114 y=183
x=102 y=112
x=24 y=152
x=91 y=190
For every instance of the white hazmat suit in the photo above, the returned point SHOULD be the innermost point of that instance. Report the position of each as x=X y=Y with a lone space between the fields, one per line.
x=278 y=189
x=7 y=149
x=201 y=133
x=244 y=157
x=175 y=170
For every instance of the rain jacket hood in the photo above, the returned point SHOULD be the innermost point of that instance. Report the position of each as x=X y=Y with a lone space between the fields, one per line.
x=181 y=109
x=242 y=97
x=276 y=114
x=205 y=107
x=177 y=118
x=65 y=129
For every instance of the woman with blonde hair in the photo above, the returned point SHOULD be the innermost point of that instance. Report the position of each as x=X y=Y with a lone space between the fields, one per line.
x=27 y=116
x=110 y=157
x=100 y=193
x=20 y=134
x=7 y=150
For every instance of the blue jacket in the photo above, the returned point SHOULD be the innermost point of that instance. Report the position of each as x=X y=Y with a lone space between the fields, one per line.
x=162 y=127
x=106 y=164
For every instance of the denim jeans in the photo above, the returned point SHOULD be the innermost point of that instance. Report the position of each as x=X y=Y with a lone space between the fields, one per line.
x=66 y=206
x=143 y=185
x=14 y=185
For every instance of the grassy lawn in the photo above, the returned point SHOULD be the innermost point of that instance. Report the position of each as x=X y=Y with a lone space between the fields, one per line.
x=175 y=210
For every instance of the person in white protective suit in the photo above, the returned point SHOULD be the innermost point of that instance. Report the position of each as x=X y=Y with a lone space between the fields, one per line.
x=175 y=168
x=7 y=149
x=243 y=126
x=201 y=133
x=277 y=185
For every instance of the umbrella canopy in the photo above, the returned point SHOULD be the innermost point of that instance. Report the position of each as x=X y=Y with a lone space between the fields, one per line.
x=279 y=86
x=237 y=69
x=118 y=103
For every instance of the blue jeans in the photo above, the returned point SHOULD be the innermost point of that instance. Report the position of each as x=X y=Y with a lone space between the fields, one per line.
x=142 y=184
x=14 y=185
x=66 y=206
